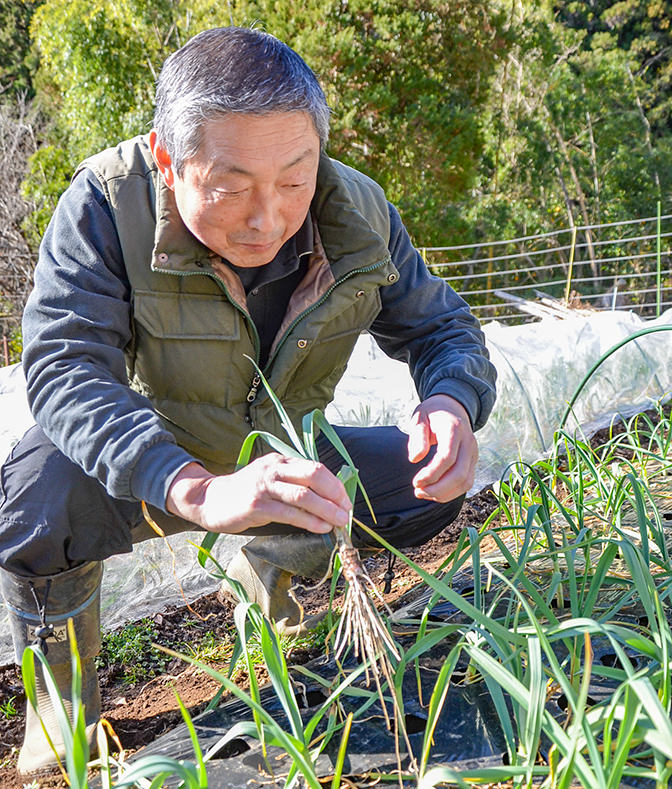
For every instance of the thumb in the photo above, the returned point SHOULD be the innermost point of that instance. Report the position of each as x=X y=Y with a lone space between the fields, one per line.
x=419 y=438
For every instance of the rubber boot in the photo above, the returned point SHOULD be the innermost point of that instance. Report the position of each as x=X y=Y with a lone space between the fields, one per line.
x=39 y=608
x=265 y=567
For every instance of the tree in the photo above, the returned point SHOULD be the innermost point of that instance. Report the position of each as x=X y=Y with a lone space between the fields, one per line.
x=98 y=61
x=642 y=29
x=569 y=142
x=17 y=62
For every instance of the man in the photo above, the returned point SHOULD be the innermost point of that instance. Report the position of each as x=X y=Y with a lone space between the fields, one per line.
x=225 y=233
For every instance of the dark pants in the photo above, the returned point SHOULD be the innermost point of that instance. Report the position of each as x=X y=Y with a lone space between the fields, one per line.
x=54 y=517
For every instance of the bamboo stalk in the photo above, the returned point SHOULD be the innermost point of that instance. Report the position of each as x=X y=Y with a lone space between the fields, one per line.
x=571 y=265
x=658 y=276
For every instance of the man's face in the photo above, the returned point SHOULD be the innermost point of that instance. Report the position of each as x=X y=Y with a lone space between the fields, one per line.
x=249 y=187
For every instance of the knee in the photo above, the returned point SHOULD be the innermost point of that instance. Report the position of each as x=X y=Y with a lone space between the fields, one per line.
x=414 y=526
x=52 y=515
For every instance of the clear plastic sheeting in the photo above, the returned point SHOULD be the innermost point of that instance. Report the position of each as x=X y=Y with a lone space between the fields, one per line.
x=540 y=365
x=539 y=368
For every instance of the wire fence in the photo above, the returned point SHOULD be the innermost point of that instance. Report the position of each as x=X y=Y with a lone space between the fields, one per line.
x=611 y=266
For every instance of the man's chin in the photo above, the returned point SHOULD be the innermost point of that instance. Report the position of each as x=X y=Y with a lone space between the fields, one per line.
x=254 y=255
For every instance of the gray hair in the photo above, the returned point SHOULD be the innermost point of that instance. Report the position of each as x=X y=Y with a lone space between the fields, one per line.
x=231 y=70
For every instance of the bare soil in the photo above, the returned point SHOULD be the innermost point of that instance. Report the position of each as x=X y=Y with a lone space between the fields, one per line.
x=140 y=713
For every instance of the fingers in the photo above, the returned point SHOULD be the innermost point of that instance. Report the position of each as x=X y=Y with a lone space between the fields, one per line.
x=449 y=441
x=443 y=422
x=276 y=489
x=309 y=497
x=449 y=480
x=419 y=438
x=277 y=511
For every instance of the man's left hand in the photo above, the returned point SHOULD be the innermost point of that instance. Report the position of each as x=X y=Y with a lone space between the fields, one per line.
x=442 y=421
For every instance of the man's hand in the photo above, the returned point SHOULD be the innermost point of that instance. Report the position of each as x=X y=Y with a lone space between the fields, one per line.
x=272 y=489
x=442 y=421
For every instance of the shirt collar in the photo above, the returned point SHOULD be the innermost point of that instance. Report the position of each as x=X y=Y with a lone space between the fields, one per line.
x=304 y=238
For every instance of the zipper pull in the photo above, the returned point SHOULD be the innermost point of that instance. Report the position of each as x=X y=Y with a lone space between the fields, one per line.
x=254 y=388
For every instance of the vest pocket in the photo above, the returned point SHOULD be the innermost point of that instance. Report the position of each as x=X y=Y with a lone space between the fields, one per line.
x=189 y=349
x=186 y=316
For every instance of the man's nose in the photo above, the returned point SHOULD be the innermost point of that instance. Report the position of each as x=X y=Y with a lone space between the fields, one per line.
x=264 y=211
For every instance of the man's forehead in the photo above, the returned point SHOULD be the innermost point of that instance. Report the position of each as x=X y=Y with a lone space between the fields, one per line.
x=236 y=143
x=236 y=169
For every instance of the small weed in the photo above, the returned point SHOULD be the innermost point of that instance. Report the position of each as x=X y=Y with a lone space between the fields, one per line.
x=315 y=638
x=129 y=652
x=8 y=708
x=210 y=649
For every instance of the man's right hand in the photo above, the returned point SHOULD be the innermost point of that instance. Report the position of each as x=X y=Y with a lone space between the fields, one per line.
x=271 y=489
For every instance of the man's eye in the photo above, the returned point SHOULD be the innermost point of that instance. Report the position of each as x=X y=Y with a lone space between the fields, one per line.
x=295 y=186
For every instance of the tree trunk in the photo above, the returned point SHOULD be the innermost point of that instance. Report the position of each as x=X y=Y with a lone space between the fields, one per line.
x=580 y=196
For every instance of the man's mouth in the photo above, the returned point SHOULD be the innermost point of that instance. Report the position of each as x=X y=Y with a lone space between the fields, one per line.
x=260 y=246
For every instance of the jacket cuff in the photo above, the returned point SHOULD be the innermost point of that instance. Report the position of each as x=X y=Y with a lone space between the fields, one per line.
x=465 y=395
x=154 y=472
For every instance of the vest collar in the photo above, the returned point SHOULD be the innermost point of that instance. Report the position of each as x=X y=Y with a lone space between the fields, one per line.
x=176 y=249
x=349 y=240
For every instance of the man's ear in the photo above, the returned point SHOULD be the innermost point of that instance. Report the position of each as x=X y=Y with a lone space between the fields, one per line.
x=162 y=159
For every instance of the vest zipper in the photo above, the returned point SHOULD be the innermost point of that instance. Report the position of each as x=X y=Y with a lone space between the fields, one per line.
x=254 y=388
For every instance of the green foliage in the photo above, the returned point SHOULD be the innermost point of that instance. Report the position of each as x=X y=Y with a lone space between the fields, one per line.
x=72 y=726
x=76 y=741
x=49 y=171
x=13 y=336
x=568 y=131
x=15 y=345
x=130 y=652
x=8 y=708
x=210 y=648
x=642 y=29
x=97 y=66
x=17 y=62
x=98 y=61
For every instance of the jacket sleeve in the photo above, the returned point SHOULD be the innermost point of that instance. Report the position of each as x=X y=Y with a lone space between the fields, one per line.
x=76 y=325
x=426 y=324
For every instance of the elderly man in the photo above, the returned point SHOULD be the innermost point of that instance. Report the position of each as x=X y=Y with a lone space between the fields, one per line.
x=225 y=233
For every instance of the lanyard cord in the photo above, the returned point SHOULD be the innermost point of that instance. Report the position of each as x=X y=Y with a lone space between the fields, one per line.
x=44 y=631
x=389 y=573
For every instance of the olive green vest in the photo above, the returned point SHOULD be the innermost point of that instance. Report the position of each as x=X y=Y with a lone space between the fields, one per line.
x=191 y=328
